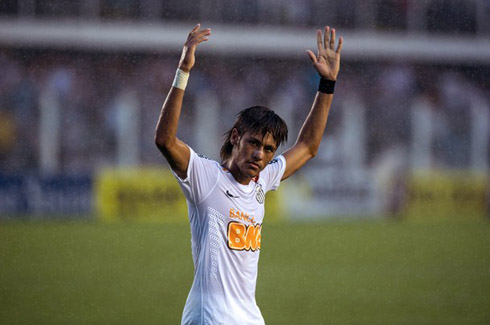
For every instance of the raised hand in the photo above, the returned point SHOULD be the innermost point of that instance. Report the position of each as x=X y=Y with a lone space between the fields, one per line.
x=196 y=37
x=327 y=62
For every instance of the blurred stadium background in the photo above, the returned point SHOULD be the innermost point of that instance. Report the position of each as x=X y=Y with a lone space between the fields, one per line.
x=405 y=158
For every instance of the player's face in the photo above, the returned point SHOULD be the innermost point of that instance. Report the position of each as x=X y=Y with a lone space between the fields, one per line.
x=251 y=153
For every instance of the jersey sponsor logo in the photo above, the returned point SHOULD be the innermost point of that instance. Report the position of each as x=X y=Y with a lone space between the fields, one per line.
x=241 y=215
x=259 y=194
x=244 y=238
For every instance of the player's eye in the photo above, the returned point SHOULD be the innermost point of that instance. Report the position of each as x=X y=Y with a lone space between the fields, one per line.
x=253 y=142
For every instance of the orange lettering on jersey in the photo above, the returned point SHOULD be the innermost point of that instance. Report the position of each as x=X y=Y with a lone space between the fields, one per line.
x=251 y=238
x=242 y=237
x=236 y=235
x=244 y=216
x=259 y=237
x=241 y=215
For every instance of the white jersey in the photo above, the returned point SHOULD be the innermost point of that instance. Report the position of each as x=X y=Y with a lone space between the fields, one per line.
x=225 y=218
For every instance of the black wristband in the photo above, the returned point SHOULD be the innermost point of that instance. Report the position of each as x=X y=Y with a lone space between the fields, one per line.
x=326 y=86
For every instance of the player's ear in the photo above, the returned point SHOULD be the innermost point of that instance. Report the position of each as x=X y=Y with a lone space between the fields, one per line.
x=235 y=136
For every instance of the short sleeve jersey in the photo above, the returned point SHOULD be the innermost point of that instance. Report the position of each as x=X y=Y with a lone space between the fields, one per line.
x=225 y=219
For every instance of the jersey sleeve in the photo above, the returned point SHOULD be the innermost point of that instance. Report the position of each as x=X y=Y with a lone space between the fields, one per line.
x=273 y=173
x=201 y=178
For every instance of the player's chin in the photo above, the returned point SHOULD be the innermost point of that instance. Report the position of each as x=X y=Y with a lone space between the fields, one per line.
x=252 y=172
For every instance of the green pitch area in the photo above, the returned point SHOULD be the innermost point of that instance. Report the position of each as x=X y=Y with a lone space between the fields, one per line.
x=324 y=273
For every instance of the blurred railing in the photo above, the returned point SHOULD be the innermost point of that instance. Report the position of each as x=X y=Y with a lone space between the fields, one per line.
x=431 y=16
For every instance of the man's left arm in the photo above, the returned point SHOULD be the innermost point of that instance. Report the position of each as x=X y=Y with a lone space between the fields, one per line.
x=327 y=64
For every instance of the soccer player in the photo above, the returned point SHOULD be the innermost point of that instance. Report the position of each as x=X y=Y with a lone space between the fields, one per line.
x=226 y=199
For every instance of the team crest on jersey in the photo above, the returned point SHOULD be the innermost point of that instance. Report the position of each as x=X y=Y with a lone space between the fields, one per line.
x=259 y=193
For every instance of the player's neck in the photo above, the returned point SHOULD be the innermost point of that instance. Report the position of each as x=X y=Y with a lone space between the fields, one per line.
x=237 y=174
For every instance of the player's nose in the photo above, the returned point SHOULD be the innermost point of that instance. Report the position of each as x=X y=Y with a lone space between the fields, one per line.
x=258 y=154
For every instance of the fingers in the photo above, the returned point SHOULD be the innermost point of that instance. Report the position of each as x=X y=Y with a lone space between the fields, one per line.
x=328 y=41
x=195 y=28
x=319 y=40
x=193 y=31
x=197 y=35
x=326 y=36
x=206 y=31
x=312 y=56
x=202 y=35
x=339 y=47
x=332 y=39
x=202 y=39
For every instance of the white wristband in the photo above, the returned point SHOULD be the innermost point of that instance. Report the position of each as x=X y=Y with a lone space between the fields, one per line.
x=180 y=80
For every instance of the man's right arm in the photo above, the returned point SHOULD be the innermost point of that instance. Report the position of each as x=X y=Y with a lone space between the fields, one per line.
x=175 y=151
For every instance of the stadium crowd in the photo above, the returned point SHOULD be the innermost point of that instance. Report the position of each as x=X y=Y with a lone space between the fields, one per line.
x=88 y=86
x=433 y=16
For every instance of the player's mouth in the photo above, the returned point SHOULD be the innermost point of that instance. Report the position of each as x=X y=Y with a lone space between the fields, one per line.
x=254 y=165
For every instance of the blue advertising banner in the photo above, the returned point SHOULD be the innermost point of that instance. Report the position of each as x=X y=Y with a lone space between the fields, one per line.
x=33 y=195
x=12 y=195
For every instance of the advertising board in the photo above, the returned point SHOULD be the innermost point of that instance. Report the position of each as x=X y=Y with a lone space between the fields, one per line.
x=139 y=194
x=33 y=195
x=447 y=194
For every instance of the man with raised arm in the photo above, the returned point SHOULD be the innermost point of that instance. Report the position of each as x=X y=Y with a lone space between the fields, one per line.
x=226 y=199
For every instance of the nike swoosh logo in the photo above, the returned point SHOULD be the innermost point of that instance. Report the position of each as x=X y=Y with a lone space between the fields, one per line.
x=231 y=195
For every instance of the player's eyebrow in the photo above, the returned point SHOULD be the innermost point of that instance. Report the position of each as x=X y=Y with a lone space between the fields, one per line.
x=261 y=141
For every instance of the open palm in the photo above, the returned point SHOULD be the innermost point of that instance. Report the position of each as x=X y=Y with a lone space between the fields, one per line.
x=196 y=37
x=327 y=61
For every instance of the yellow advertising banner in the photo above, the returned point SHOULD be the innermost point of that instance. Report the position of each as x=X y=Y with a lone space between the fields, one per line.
x=139 y=194
x=273 y=207
x=143 y=194
x=448 y=194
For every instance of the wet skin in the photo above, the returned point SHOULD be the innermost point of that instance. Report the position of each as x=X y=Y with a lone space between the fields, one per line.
x=251 y=153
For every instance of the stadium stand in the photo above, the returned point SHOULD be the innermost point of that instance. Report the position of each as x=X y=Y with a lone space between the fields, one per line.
x=92 y=82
